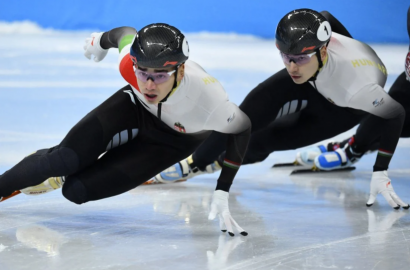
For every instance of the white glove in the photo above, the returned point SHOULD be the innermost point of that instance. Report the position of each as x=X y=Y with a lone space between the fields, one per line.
x=220 y=207
x=92 y=47
x=381 y=183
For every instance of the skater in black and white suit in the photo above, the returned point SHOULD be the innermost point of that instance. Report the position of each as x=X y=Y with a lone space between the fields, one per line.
x=334 y=81
x=169 y=107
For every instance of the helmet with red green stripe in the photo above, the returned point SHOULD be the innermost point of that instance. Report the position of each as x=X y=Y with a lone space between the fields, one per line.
x=159 y=45
x=302 y=31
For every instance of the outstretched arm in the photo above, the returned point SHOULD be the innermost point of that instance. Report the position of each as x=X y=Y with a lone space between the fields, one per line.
x=98 y=44
x=387 y=115
x=228 y=118
x=113 y=38
x=390 y=118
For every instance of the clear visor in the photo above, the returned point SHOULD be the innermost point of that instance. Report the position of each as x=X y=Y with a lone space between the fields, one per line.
x=298 y=59
x=156 y=77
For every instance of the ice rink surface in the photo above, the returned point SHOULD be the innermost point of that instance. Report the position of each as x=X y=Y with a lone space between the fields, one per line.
x=315 y=221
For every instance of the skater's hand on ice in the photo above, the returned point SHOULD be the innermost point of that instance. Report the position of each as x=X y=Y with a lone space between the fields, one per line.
x=92 y=47
x=220 y=207
x=381 y=183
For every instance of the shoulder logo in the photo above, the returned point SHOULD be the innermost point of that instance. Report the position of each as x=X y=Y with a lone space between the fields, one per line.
x=179 y=127
x=378 y=103
x=230 y=119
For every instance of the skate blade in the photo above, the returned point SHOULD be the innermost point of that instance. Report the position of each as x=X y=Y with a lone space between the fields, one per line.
x=12 y=195
x=153 y=182
x=316 y=170
x=289 y=164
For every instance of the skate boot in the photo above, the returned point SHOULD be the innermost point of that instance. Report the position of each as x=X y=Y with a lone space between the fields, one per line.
x=307 y=157
x=50 y=184
x=182 y=171
x=334 y=160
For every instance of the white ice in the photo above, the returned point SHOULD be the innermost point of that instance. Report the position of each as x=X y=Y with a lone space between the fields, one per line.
x=294 y=222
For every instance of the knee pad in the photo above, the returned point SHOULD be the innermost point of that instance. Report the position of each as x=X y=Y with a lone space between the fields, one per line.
x=58 y=161
x=75 y=191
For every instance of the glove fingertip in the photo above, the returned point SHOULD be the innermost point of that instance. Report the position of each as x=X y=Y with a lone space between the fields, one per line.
x=370 y=201
x=244 y=233
x=231 y=234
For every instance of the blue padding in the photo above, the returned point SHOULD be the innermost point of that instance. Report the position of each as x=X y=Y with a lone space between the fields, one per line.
x=329 y=165
x=322 y=148
x=172 y=175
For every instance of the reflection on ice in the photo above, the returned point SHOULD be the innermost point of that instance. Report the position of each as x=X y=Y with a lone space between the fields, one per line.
x=226 y=245
x=338 y=190
x=379 y=228
x=379 y=223
x=41 y=238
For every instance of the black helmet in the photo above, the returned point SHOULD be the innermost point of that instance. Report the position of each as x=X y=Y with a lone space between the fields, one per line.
x=302 y=31
x=159 y=45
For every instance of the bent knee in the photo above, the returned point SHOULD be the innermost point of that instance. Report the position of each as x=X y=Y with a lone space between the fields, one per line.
x=75 y=191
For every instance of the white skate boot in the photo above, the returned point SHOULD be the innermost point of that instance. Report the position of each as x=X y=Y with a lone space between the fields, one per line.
x=50 y=184
x=182 y=171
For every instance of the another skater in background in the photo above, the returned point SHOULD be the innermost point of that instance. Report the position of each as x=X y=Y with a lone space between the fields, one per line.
x=344 y=72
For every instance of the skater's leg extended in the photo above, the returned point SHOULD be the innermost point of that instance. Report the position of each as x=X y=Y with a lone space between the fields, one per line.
x=82 y=146
x=310 y=129
x=37 y=167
